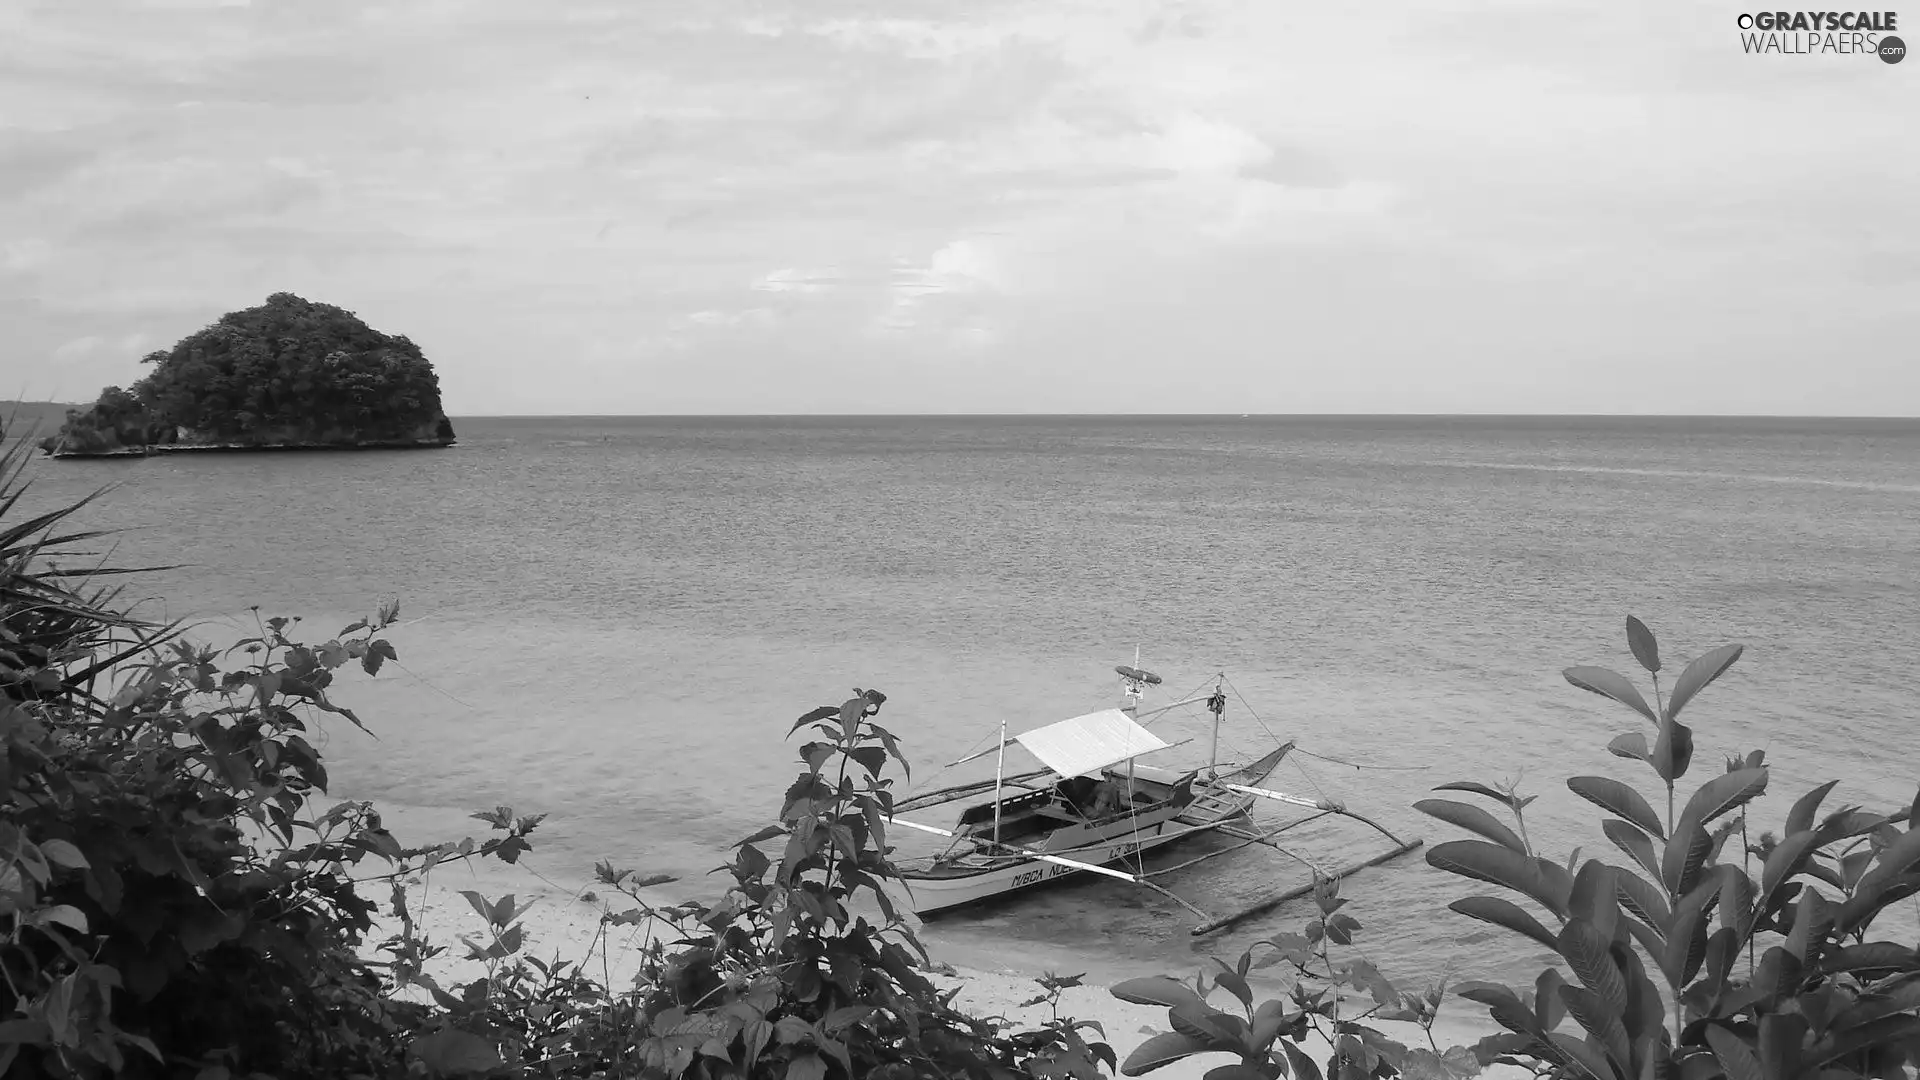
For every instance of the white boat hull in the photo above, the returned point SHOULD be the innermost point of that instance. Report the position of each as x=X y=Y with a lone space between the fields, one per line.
x=939 y=893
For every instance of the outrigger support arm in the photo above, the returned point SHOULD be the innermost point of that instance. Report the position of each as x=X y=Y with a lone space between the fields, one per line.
x=1325 y=806
x=1279 y=796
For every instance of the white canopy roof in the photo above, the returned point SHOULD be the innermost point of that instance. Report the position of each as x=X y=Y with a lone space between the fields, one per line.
x=1086 y=744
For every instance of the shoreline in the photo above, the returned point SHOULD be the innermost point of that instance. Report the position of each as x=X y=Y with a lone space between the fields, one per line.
x=243 y=448
x=566 y=924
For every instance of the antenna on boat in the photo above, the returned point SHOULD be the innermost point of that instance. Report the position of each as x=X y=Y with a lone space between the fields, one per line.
x=1217 y=705
x=1133 y=683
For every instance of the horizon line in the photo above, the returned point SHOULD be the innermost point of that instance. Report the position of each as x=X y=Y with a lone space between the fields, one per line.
x=1347 y=415
x=1179 y=415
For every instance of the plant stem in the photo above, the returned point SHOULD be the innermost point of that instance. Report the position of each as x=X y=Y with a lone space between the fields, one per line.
x=1670 y=811
x=1746 y=865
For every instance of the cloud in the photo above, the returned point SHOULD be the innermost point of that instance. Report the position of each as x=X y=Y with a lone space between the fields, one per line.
x=864 y=206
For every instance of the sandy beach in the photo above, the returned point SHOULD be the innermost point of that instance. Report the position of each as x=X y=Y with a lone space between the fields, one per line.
x=565 y=923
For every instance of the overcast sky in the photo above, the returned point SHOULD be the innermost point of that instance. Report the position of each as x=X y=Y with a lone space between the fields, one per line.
x=976 y=205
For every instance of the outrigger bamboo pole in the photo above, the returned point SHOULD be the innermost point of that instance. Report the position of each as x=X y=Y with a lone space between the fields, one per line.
x=1071 y=863
x=1279 y=898
x=1029 y=852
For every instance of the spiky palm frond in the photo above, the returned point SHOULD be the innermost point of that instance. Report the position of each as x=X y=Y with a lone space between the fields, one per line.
x=58 y=635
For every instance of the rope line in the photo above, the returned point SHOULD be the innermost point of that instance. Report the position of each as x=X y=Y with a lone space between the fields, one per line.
x=1369 y=768
x=1304 y=774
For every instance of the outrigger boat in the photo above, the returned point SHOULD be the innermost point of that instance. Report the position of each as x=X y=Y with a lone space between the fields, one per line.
x=1093 y=808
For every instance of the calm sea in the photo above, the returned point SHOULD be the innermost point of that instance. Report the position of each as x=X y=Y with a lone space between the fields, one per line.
x=615 y=621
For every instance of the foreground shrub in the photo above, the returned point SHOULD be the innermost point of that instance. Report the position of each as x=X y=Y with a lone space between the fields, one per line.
x=175 y=903
x=1277 y=1037
x=778 y=978
x=1763 y=965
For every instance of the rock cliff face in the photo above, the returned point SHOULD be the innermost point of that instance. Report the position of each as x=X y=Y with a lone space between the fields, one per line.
x=289 y=374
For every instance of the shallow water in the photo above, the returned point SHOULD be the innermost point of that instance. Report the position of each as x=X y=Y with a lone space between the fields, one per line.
x=615 y=621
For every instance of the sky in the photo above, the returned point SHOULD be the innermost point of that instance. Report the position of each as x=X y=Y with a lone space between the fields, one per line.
x=967 y=206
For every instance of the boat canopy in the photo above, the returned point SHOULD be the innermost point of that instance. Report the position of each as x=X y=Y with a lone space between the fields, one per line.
x=1084 y=745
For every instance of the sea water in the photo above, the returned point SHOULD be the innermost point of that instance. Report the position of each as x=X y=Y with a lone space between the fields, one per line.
x=615 y=622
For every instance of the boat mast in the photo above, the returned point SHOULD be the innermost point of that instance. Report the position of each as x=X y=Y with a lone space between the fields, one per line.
x=1217 y=705
x=999 y=774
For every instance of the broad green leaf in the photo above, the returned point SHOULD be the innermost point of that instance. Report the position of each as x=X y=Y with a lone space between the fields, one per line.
x=1610 y=684
x=852 y=711
x=1362 y=975
x=807 y=1066
x=1457 y=1063
x=62 y=915
x=1162 y=1049
x=1610 y=794
x=1634 y=842
x=1641 y=641
x=1507 y=914
x=1886 y=1031
x=814 y=716
x=1736 y=903
x=1723 y=948
x=1781 y=1037
x=1588 y=953
x=1735 y=1056
x=1602 y=1021
x=1646 y=1016
x=1548 y=1006
x=62 y=853
x=1698 y=674
x=1234 y=984
x=1844 y=823
x=1686 y=935
x=1784 y=862
x=1633 y=744
x=1800 y=818
x=1583 y=1056
x=1686 y=852
x=1268 y=1021
x=1594 y=896
x=1477 y=789
x=1672 y=751
x=1234 y=1072
x=765 y=833
x=1473 y=819
x=1303 y=1066
x=1723 y=793
x=1876 y=959
x=1544 y=881
x=1896 y=860
x=1502 y=1004
x=1156 y=990
x=1647 y=902
x=1852 y=866
x=754 y=1038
